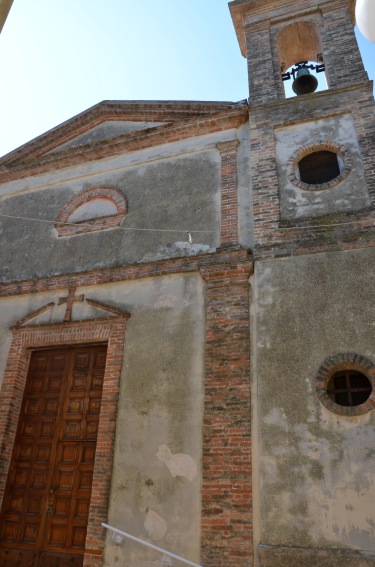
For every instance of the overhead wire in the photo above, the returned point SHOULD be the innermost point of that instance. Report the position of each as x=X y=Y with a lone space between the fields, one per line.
x=127 y=228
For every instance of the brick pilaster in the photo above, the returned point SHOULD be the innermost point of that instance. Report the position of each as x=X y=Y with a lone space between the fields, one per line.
x=262 y=87
x=344 y=65
x=226 y=482
x=229 y=206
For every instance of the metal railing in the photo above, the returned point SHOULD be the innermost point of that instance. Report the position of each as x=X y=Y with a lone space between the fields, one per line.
x=163 y=551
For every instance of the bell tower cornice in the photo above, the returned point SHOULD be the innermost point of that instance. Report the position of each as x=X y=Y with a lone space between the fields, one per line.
x=259 y=14
x=283 y=39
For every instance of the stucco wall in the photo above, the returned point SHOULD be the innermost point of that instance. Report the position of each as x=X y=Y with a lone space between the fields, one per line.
x=156 y=482
x=351 y=194
x=105 y=131
x=156 y=478
x=175 y=194
x=171 y=188
x=314 y=469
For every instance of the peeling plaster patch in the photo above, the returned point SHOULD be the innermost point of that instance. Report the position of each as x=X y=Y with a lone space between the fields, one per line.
x=149 y=564
x=276 y=417
x=166 y=302
x=280 y=451
x=179 y=249
x=270 y=471
x=178 y=464
x=155 y=526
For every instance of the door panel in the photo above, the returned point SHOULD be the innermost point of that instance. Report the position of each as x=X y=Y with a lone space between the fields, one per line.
x=45 y=510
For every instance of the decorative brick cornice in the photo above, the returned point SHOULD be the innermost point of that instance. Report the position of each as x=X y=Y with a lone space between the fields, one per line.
x=228 y=147
x=257 y=27
x=107 y=111
x=223 y=257
x=221 y=275
x=35 y=164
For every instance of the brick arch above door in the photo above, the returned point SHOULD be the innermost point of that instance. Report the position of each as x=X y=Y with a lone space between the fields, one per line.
x=26 y=339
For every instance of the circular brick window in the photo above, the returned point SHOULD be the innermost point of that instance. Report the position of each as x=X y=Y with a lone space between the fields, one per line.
x=345 y=384
x=319 y=167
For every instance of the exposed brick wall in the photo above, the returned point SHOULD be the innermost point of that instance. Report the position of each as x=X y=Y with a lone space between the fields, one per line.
x=226 y=482
x=229 y=205
x=340 y=48
x=260 y=27
x=262 y=85
x=24 y=339
x=343 y=231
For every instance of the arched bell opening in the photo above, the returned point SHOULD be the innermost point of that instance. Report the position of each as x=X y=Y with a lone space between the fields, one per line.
x=301 y=59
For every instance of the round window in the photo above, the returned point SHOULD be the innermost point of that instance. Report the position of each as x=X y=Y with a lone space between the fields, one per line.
x=345 y=384
x=319 y=167
x=349 y=388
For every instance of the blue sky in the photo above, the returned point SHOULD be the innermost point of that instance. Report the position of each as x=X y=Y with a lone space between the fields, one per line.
x=59 y=57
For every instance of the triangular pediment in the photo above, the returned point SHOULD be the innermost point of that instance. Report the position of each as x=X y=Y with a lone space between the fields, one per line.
x=106 y=131
x=113 y=123
x=61 y=311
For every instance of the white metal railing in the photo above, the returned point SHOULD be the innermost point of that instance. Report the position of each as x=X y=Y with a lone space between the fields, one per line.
x=164 y=551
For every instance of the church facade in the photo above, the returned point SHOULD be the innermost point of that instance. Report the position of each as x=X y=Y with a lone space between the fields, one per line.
x=187 y=318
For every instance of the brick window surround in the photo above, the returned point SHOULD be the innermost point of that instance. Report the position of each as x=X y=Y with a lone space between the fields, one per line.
x=340 y=151
x=345 y=361
x=115 y=196
x=24 y=340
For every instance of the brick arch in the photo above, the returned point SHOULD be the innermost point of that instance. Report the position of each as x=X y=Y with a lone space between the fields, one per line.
x=297 y=42
x=115 y=196
x=345 y=361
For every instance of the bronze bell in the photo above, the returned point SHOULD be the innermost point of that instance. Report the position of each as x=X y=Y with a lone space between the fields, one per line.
x=304 y=83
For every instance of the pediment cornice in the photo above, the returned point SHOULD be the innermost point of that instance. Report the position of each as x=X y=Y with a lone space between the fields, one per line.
x=182 y=120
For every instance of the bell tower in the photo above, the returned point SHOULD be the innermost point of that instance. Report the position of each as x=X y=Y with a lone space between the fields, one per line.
x=310 y=155
x=275 y=35
x=312 y=186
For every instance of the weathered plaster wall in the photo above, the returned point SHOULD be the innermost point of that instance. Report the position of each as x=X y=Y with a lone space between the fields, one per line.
x=156 y=483
x=172 y=188
x=105 y=131
x=349 y=195
x=316 y=486
x=174 y=194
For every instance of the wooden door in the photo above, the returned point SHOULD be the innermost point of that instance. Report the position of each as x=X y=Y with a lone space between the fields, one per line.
x=44 y=516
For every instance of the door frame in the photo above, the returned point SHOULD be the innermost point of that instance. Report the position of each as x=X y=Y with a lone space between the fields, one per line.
x=37 y=337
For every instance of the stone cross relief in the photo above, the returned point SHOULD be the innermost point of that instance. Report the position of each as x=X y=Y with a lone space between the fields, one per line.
x=69 y=300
